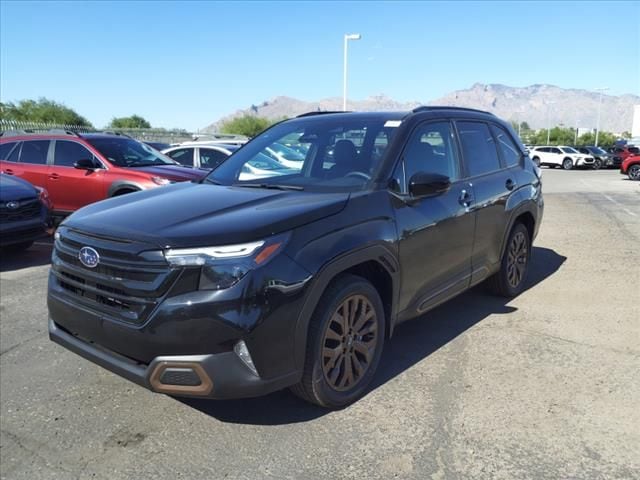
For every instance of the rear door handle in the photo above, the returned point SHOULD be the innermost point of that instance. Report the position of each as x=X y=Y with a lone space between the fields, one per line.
x=8 y=171
x=54 y=176
x=510 y=184
x=466 y=198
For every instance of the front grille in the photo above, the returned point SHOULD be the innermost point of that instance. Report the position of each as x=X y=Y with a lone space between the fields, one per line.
x=126 y=285
x=27 y=209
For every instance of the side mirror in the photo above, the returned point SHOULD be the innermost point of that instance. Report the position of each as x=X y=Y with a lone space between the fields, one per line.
x=85 y=164
x=424 y=184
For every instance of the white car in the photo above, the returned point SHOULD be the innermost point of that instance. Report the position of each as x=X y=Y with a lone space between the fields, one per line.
x=285 y=155
x=560 y=156
x=206 y=155
x=263 y=166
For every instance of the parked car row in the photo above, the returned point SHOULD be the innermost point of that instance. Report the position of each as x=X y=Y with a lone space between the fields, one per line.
x=79 y=169
x=24 y=213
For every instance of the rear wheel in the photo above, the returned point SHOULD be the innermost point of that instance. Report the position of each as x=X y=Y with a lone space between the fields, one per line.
x=344 y=344
x=634 y=172
x=536 y=160
x=124 y=191
x=597 y=164
x=509 y=281
x=567 y=164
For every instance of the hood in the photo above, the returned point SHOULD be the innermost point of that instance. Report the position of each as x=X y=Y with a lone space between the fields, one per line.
x=192 y=215
x=175 y=173
x=13 y=188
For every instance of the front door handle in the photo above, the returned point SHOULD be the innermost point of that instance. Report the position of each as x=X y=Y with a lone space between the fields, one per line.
x=465 y=198
x=54 y=176
x=510 y=184
x=8 y=171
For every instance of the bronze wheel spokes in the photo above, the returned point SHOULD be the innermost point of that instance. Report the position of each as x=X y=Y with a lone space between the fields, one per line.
x=349 y=342
x=517 y=257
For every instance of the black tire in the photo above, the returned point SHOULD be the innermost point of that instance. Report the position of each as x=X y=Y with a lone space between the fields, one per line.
x=634 y=172
x=536 y=160
x=18 y=247
x=502 y=283
x=316 y=385
x=567 y=164
x=597 y=164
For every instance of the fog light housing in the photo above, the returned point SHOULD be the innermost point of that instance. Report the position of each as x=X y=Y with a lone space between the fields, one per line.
x=241 y=350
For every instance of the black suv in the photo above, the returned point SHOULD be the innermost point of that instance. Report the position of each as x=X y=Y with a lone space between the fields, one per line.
x=252 y=281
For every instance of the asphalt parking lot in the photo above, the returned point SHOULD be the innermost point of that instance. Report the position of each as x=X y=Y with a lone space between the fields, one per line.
x=544 y=386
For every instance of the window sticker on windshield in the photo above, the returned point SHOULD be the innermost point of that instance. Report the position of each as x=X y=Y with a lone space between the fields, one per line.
x=392 y=123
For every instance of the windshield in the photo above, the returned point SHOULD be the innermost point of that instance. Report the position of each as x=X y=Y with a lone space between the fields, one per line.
x=595 y=150
x=127 y=152
x=568 y=150
x=323 y=153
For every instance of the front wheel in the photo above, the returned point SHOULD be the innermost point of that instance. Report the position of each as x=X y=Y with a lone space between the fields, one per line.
x=634 y=172
x=509 y=281
x=344 y=344
x=597 y=165
x=567 y=164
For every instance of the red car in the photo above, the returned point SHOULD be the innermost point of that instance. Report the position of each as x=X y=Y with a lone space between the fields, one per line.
x=625 y=152
x=79 y=169
x=631 y=166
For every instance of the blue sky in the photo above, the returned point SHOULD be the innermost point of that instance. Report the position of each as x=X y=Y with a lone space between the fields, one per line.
x=185 y=64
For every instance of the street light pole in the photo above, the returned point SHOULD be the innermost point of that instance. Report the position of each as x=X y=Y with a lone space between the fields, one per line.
x=549 y=122
x=603 y=89
x=347 y=37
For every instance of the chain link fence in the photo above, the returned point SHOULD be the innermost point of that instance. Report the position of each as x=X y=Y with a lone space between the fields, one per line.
x=142 y=134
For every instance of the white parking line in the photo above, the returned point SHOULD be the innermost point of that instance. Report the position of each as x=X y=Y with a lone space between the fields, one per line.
x=620 y=205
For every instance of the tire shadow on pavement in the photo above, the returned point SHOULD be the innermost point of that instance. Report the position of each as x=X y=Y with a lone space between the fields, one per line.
x=412 y=342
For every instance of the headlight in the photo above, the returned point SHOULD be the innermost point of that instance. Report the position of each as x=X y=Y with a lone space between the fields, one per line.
x=160 y=180
x=224 y=266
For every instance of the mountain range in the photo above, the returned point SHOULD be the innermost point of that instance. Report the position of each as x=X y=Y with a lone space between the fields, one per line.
x=537 y=105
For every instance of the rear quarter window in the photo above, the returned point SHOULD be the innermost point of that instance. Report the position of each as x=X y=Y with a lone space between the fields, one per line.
x=6 y=149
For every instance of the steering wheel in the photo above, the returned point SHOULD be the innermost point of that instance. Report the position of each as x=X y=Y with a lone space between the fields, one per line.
x=358 y=174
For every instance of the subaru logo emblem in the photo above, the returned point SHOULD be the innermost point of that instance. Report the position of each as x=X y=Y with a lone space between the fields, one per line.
x=13 y=205
x=88 y=257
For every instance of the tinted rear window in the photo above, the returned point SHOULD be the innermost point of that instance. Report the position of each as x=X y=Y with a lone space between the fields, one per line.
x=478 y=147
x=5 y=149
x=35 y=152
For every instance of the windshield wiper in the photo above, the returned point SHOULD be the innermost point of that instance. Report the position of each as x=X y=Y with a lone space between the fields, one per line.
x=269 y=186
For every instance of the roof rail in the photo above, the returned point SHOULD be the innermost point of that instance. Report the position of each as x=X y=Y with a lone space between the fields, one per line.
x=14 y=133
x=60 y=131
x=426 y=108
x=323 y=112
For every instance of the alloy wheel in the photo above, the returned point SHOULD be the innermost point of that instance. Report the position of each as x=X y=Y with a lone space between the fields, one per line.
x=634 y=172
x=518 y=255
x=349 y=342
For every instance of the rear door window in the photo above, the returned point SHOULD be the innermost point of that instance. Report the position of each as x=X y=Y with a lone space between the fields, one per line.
x=211 y=158
x=35 y=152
x=184 y=156
x=478 y=148
x=510 y=152
x=68 y=153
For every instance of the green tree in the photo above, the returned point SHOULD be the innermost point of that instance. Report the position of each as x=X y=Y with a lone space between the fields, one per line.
x=42 y=111
x=248 y=125
x=626 y=134
x=134 y=121
x=604 y=138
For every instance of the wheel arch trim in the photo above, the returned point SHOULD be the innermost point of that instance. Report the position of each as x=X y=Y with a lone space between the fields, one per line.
x=377 y=253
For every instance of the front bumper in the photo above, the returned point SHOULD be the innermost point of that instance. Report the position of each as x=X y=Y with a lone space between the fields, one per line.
x=218 y=376
x=23 y=231
x=585 y=162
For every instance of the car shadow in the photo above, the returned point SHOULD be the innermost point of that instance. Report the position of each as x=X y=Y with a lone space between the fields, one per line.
x=38 y=254
x=412 y=342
